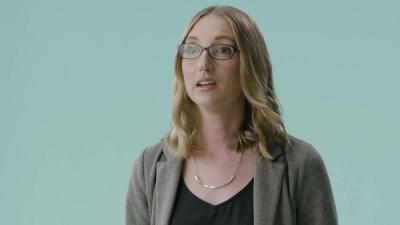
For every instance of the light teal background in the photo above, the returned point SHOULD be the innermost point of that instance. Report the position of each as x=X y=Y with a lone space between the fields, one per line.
x=85 y=85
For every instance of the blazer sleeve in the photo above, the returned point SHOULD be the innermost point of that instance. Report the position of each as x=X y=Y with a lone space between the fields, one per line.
x=314 y=198
x=137 y=212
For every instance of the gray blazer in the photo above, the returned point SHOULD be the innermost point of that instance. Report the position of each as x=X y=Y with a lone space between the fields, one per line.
x=291 y=189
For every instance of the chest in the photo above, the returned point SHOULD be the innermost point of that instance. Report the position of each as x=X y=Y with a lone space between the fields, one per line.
x=216 y=175
x=237 y=210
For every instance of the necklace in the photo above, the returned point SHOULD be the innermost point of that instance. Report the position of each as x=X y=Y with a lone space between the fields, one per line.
x=198 y=180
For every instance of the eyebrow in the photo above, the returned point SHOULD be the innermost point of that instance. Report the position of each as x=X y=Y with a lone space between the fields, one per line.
x=221 y=37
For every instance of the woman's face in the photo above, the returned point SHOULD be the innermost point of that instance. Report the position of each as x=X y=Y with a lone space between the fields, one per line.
x=221 y=89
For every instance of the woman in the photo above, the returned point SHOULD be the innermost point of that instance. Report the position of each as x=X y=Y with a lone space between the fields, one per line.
x=227 y=158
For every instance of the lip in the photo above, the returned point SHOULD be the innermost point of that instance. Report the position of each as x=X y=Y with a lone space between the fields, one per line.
x=204 y=79
x=206 y=88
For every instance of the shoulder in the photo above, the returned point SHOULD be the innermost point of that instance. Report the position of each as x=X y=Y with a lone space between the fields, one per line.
x=304 y=161
x=300 y=152
x=305 y=164
x=153 y=154
x=141 y=185
x=149 y=156
x=144 y=167
x=309 y=183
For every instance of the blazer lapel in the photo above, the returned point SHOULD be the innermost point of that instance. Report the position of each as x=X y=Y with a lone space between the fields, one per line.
x=167 y=182
x=267 y=187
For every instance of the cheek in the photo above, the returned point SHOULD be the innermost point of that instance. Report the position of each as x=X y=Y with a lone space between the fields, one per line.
x=231 y=66
x=235 y=71
x=232 y=70
x=186 y=70
x=236 y=66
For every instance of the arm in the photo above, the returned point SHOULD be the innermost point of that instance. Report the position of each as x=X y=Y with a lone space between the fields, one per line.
x=137 y=212
x=314 y=198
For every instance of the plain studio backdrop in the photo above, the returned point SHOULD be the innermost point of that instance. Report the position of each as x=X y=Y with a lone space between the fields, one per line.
x=85 y=85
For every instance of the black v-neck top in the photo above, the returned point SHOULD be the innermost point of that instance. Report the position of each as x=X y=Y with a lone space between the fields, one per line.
x=191 y=210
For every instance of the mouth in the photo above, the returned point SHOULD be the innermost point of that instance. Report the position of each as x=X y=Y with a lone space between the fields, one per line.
x=205 y=83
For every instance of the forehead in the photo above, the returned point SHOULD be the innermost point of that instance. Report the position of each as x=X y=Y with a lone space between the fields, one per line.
x=210 y=28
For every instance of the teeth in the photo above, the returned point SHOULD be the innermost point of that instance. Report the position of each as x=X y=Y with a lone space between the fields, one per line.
x=206 y=82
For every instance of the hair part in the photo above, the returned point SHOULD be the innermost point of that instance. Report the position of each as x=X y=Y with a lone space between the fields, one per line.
x=262 y=124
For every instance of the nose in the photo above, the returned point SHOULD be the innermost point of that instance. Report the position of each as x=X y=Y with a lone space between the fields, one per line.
x=205 y=62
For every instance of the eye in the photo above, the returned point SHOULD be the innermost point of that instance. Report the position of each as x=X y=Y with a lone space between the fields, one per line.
x=190 y=49
x=224 y=50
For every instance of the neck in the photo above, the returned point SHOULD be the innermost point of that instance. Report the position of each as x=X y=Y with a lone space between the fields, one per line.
x=217 y=130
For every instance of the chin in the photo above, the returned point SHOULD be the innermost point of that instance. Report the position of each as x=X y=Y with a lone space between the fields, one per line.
x=203 y=103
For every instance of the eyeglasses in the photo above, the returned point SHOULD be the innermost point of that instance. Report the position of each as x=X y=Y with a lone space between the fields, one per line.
x=218 y=51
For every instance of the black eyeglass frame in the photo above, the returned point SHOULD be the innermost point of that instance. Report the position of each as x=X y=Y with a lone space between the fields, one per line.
x=235 y=49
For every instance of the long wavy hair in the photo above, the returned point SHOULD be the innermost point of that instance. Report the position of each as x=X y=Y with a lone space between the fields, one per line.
x=262 y=123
